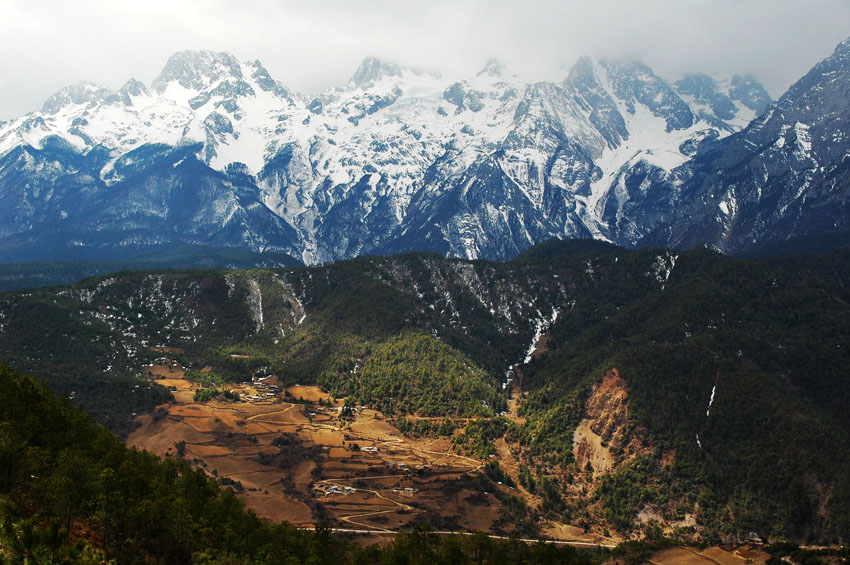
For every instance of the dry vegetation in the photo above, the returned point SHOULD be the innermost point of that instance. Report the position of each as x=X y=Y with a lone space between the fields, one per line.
x=292 y=457
x=710 y=556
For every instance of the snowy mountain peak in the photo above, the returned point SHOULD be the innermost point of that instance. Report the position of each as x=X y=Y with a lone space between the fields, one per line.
x=581 y=72
x=634 y=82
x=197 y=70
x=781 y=177
x=706 y=92
x=78 y=93
x=493 y=68
x=399 y=159
x=614 y=90
x=266 y=82
x=618 y=77
x=699 y=85
x=371 y=70
x=750 y=92
x=724 y=103
x=134 y=87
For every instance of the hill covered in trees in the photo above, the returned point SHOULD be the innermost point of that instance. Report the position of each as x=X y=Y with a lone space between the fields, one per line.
x=714 y=389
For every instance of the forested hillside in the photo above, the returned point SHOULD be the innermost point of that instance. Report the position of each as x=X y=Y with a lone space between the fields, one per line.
x=712 y=391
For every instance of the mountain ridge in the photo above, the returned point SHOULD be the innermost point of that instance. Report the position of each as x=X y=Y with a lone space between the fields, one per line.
x=783 y=176
x=352 y=170
x=217 y=152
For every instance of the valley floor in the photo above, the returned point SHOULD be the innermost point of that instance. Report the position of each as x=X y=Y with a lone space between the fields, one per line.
x=292 y=459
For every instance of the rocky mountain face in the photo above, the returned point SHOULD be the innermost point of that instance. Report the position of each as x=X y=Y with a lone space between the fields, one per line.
x=216 y=152
x=787 y=174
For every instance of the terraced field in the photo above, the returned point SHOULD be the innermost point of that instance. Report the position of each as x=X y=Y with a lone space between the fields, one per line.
x=291 y=456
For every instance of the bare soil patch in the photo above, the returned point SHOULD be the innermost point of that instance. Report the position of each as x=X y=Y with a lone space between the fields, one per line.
x=710 y=556
x=735 y=556
x=679 y=556
x=588 y=448
x=311 y=393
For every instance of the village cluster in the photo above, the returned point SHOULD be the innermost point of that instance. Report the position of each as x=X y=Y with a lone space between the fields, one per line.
x=265 y=391
x=329 y=489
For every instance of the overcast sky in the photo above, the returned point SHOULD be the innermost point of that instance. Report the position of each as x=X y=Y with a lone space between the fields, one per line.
x=308 y=46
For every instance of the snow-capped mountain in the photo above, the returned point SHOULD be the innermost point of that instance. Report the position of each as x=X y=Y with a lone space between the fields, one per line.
x=787 y=174
x=216 y=151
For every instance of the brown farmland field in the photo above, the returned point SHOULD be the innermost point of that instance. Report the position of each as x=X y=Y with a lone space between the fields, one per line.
x=291 y=459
